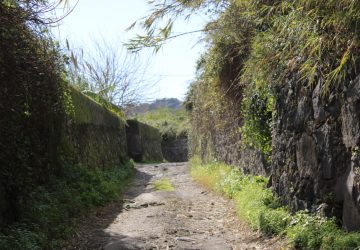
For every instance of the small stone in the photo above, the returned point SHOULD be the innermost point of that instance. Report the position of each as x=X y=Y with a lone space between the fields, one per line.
x=184 y=239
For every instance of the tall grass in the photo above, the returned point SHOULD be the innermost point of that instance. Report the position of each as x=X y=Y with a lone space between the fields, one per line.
x=257 y=206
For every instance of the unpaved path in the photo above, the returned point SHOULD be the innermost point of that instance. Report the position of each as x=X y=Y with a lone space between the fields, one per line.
x=188 y=218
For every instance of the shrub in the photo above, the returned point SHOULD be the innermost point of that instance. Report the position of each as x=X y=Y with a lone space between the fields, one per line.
x=313 y=232
x=273 y=222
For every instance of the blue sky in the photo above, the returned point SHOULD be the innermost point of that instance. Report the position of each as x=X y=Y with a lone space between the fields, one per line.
x=173 y=66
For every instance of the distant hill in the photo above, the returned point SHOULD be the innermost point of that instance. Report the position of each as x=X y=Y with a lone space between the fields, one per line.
x=170 y=103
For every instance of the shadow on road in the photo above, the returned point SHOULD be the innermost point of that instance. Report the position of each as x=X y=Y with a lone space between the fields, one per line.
x=91 y=233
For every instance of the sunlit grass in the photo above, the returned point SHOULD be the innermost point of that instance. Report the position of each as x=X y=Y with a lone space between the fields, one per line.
x=207 y=175
x=257 y=206
x=163 y=185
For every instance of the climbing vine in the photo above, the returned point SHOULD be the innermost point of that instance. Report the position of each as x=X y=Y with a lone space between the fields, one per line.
x=257 y=108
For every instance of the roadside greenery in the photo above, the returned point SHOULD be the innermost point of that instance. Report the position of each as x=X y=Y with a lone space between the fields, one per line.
x=49 y=216
x=169 y=122
x=41 y=195
x=257 y=206
x=255 y=47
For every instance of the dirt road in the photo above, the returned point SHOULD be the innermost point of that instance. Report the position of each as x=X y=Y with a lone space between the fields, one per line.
x=189 y=217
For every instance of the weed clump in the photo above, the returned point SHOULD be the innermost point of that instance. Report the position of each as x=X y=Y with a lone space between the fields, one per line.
x=163 y=185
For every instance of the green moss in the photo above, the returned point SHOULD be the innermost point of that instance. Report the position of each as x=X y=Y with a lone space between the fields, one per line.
x=87 y=111
x=92 y=135
x=107 y=105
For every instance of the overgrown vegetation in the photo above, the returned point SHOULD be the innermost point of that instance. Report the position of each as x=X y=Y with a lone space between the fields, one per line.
x=170 y=123
x=255 y=47
x=225 y=99
x=257 y=108
x=256 y=50
x=41 y=193
x=163 y=185
x=257 y=205
x=33 y=102
x=49 y=215
x=317 y=39
x=214 y=121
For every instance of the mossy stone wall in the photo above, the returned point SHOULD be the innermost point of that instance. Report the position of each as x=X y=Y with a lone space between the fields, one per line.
x=144 y=142
x=93 y=136
x=56 y=132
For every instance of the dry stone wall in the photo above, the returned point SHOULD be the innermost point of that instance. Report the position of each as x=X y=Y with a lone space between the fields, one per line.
x=175 y=148
x=315 y=160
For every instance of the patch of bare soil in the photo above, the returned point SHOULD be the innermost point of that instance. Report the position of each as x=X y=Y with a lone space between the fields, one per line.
x=188 y=218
